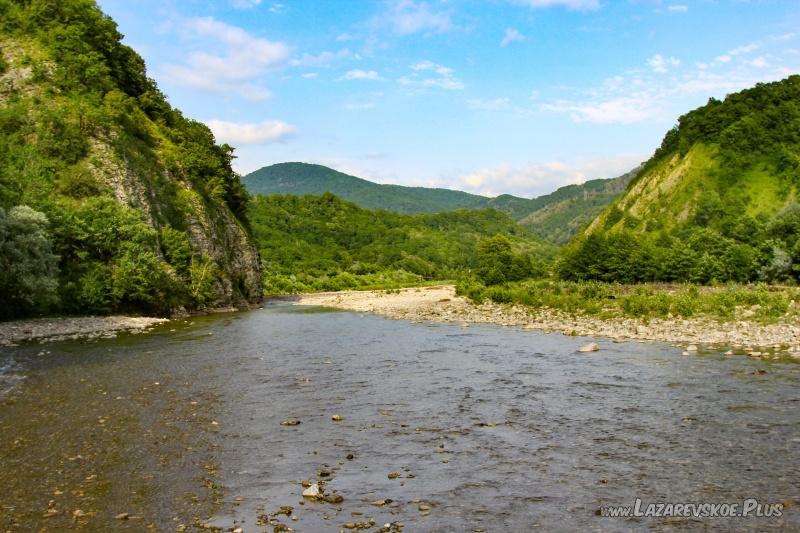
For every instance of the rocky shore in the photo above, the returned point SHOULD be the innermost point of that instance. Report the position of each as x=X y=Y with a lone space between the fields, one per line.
x=57 y=329
x=441 y=304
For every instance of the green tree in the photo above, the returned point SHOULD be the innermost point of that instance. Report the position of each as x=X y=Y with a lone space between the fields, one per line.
x=28 y=267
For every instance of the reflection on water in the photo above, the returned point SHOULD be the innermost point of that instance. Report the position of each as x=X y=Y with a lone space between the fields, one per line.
x=482 y=428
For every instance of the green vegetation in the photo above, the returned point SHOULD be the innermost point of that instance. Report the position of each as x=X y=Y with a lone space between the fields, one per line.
x=716 y=203
x=28 y=266
x=561 y=215
x=324 y=243
x=759 y=302
x=81 y=125
x=555 y=217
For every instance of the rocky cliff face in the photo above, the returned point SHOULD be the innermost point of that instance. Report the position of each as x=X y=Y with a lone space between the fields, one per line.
x=145 y=213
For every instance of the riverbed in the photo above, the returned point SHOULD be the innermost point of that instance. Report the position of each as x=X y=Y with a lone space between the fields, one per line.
x=439 y=427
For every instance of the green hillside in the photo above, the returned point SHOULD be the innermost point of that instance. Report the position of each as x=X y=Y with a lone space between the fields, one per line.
x=716 y=202
x=303 y=178
x=559 y=216
x=556 y=217
x=324 y=243
x=110 y=199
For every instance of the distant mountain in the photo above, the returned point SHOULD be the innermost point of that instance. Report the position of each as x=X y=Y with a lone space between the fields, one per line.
x=303 y=178
x=556 y=217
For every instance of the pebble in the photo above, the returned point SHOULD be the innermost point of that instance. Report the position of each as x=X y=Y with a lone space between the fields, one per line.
x=122 y=516
x=337 y=418
x=290 y=422
x=591 y=347
x=312 y=491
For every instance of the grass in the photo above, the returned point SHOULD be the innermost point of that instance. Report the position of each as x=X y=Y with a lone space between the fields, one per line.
x=760 y=303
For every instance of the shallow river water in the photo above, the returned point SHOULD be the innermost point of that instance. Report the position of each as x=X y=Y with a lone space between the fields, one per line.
x=489 y=429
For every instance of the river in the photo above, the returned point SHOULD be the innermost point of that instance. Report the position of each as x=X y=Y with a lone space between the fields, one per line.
x=482 y=428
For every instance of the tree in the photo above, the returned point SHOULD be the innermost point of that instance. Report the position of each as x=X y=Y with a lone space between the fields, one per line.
x=28 y=267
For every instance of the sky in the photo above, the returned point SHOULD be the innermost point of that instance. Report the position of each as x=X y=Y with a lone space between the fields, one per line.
x=486 y=96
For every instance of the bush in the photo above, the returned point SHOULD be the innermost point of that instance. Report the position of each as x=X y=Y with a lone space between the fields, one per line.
x=28 y=267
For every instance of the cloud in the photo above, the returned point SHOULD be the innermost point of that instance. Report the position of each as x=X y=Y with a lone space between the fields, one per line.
x=639 y=96
x=245 y=4
x=427 y=74
x=310 y=75
x=236 y=133
x=358 y=74
x=310 y=60
x=243 y=59
x=407 y=17
x=276 y=8
x=536 y=179
x=496 y=104
x=569 y=4
x=512 y=35
x=678 y=8
x=662 y=64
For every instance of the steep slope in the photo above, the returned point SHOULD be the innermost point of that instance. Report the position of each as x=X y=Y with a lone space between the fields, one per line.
x=304 y=178
x=560 y=215
x=716 y=202
x=142 y=208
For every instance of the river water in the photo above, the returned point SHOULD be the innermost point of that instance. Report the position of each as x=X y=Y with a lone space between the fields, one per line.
x=489 y=429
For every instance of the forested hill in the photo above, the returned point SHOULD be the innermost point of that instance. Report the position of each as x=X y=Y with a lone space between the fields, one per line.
x=303 y=178
x=716 y=202
x=555 y=217
x=110 y=199
x=324 y=243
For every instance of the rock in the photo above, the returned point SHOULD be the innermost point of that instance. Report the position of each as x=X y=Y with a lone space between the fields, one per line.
x=122 y=516
x=285 y=509
x=350 y=456
x=423 y=507
x=394 y=475
x=290 y=422
x=729 y=352
x=312 y=491
x=381 y=503
x=333 y=498
x=691 y=348
x=337 y=418
x=591 y=347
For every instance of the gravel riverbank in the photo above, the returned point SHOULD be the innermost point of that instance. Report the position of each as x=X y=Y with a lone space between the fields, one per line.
x=441 y=304
x=57 y=329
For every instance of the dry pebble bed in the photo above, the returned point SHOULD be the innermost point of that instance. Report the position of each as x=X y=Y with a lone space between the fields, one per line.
x=441 y=304
x=59 y=329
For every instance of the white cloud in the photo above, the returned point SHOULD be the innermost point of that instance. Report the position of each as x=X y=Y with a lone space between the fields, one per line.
x=245 y=4
x=310 y=75
x=678 y=8
x=276 y=8
x=236 y=133
x=746 y=49
x=427 y=74
x=512 y=35
x=569 y=4
x=243 y=59
x=407 y=17
x=541 y=178
x=640 y=96
x=662 y=64
x=344 y=37
x=496 y=104
x=310 y=60
x=358 y=74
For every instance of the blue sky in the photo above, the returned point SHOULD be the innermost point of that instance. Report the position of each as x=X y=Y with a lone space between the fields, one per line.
x=488 y=96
